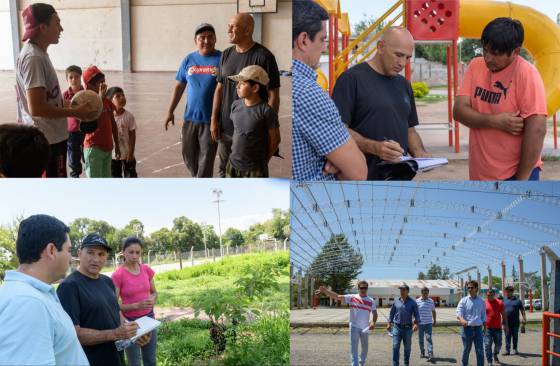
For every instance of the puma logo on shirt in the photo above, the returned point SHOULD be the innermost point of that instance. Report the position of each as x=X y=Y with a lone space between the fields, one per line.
x=498 y=84
x=489 y=96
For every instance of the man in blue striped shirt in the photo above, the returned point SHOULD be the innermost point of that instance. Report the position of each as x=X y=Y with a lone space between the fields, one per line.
x=322 y=148
x=400 y=318
x=471 y=313
x=427 y=310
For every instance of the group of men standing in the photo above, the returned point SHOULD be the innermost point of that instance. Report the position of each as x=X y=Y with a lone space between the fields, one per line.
x=204 y=76
x=370 y=118
x=481 y=323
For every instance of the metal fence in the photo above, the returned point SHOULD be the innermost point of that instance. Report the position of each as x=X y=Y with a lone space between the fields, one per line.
x=194 y=257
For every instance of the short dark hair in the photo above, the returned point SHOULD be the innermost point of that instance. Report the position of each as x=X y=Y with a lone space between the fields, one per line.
x=502 y=36
x=473 y=283
x=263 y=91
x=43 y=12
x=94 y=80
x=73 y=68
x=362 y=283
x=425 y=289
x=35 y=233
x=112 y=91
x=24 y=151
x=307 y=16
x=130 y=241
x=509 y=288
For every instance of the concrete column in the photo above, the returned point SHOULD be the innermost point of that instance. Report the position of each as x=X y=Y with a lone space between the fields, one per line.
x=14 y=22
x=490 y=278
x=478 y=278
x=544 y=285
x=503 y=278
x=312 y=287
x=522 y=280
x=305 y=280
x=126 y=38
x=257 y=33
x=462 y=287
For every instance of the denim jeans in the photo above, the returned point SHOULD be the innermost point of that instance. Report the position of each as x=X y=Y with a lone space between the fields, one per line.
x=492 y=336
x=356 y=335
x=535 y=175
x=425 y=330
x=404 y=334
x=468 y=336
x=75 y=153
x=136 y=355
x=513 y=333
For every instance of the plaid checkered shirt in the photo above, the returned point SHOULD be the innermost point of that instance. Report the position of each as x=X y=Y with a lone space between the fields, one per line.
x=317 y=129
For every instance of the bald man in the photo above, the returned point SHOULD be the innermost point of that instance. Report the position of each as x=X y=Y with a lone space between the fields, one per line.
x=377 y=103
x=244 y=52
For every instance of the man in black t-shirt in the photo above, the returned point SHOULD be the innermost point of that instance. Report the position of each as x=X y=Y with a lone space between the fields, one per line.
x=378 y=105
x=244 y=52
x=90 y=300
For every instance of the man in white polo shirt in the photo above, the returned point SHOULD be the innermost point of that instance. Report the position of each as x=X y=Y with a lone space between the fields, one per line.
x=361 y=305
x=427 y=310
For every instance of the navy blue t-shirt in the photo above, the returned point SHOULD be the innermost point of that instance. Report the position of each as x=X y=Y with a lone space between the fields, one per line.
x=512 y=307
x=199 y=73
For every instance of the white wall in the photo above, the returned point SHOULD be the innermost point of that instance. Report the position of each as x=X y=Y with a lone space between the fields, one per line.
x=161 y=32
x=92 y=33
x=6 y=50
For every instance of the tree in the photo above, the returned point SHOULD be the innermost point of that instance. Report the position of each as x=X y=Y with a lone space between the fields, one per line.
x=233 y=237
x=279 y=226
x=365 y=23
x=8 y=257
x=435 y=272
x=187 y=234
x=421 y=276
x=252 y=233
x=339 y=273
x=496 y=282
x=209 y=235
x=163 y=240
x=83 y=226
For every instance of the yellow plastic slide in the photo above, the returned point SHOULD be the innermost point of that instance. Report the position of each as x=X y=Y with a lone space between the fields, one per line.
x=542 y=38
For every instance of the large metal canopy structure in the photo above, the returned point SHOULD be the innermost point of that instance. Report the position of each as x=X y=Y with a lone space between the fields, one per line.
x=465 y=226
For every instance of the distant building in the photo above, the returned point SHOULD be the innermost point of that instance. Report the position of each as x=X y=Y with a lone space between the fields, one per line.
x=384 y=292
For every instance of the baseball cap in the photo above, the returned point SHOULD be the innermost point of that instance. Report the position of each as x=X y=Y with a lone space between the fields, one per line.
x=90 y=73
x=254 y=73
x=30 y=23
x=404 y=286
x=95 y=240
x=203 y=27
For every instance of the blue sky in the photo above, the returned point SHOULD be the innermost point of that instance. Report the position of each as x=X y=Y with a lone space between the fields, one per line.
x=156 y=202
x=357 y=8
x=375 y=228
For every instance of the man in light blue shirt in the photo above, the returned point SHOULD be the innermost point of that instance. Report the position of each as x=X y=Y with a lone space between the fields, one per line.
x=471 y=313
x=35 y=328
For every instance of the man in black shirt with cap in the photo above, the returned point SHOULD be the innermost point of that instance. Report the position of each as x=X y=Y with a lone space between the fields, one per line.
x=90 y=300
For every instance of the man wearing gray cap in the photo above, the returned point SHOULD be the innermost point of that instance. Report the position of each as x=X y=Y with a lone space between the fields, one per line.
x=400 y=318
x=90 y=300
x=197 y=74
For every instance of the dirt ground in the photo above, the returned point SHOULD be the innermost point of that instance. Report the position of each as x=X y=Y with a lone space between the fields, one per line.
x=321 y=346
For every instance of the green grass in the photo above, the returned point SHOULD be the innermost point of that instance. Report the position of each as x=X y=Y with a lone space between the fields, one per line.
x=175 y=287
x=428 y=99
x=265 y=341
x=550 y=158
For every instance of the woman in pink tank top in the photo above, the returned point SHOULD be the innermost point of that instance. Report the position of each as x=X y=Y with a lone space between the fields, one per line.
x=136 y=291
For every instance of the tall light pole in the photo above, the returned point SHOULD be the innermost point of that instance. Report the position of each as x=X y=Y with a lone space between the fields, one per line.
x=203 y=225
x=218 y=193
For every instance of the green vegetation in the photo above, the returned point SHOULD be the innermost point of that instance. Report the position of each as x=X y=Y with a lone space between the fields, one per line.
x=245 y=299
x=429 y=99
x=420 y=89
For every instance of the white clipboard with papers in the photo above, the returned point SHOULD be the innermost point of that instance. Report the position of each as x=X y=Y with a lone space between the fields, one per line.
x=425 y=164
x=145 y=326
